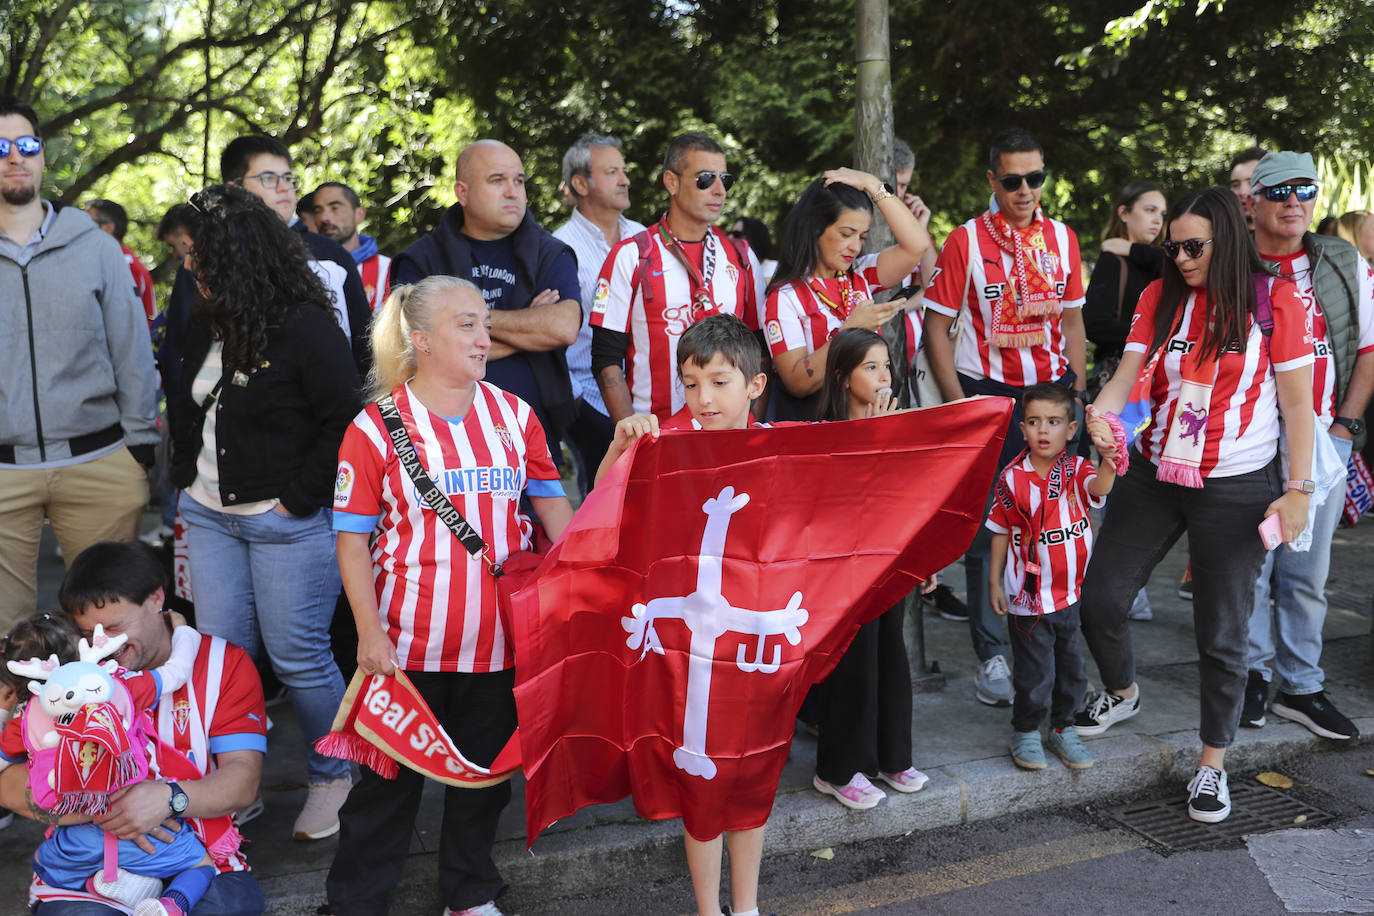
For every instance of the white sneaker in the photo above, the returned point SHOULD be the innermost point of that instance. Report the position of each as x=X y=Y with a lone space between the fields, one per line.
x=1209 y=798
x=486 y=909
x=1140 y=607
x=992 y=683
x=127 y=888
x=320 y=816
x=1104 y=711
x=249 y=811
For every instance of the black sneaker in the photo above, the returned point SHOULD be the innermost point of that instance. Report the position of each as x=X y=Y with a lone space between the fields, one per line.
x=949 y=605
x=1256 y=695
x=1315 y=711
x=1185 y=589
x=1105 y=710
x=1209 y=798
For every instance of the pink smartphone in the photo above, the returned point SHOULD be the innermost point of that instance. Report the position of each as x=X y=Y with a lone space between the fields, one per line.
x=1271 y=532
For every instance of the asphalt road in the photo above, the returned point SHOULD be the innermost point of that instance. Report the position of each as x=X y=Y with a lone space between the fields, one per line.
x=1066 y=861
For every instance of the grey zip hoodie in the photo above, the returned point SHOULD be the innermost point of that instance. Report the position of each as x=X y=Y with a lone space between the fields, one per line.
x=75 y=357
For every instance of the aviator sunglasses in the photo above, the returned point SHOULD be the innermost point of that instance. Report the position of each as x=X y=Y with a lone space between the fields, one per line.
x=1191 y=247
x=1279 y=193
x=706 y=179
x=27 y=146
x=1013 y=182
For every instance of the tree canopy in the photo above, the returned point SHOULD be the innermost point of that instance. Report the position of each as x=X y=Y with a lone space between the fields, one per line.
x=138 y=96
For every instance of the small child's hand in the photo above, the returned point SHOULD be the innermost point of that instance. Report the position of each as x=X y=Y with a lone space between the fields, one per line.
x=635 y=427
x=930 y=584
x=885 y=404
x=997 y=598
x=1100 y=431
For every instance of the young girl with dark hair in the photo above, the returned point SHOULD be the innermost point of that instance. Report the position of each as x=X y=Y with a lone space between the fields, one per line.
x=1219 y=347
x=1131 y=260
x=268 y=386
x=865 y=703
x=824 y=284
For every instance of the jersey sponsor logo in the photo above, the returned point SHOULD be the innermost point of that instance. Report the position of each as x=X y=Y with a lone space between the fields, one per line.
x=774 y=332
x=677 y=319
x=603 y=294
x=1052 y=536
x=498 y=481
x=993 y=291
x=343 y=485
x=1322 y=348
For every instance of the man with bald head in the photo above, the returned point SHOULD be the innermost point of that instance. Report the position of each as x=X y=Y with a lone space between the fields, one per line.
x=527 y=277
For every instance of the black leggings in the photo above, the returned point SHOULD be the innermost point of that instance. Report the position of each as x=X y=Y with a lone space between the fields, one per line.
x=1145 y=517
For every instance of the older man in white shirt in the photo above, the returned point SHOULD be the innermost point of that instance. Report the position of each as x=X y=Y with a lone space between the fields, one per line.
x=594 y=177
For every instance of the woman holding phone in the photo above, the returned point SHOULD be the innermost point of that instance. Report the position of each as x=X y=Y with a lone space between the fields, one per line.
x=824 y=283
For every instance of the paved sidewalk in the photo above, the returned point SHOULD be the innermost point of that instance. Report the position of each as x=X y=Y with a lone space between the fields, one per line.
x=959 y=742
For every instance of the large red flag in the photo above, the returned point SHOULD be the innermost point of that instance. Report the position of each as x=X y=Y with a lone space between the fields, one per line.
x=708 y=581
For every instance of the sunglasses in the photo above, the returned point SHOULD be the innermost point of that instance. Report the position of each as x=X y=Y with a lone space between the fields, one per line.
x=27 y=146
x=1279 y=193
x=1013 y=182
x=1193 y=248
x=706 y=179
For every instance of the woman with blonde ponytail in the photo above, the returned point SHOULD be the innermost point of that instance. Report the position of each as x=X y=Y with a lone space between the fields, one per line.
x=421 y=602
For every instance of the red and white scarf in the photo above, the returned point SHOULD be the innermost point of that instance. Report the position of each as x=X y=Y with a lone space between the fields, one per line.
x=1186 y=439
x=1030 y=297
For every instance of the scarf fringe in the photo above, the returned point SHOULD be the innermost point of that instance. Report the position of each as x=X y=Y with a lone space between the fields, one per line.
x=1122 y=461
x=92 y=803
x=225 y=845
x=1021 y=339
x=358 y=750
x=1182 y=474
x=1039 y=308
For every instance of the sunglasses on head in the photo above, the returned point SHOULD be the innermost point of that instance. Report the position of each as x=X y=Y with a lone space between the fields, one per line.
x=706 y=179
x=1013 y=182
x=1191 y=247
x=27 y=146
x=1279 y=193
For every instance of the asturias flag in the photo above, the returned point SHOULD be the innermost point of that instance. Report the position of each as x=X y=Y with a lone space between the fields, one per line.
x=708 y=581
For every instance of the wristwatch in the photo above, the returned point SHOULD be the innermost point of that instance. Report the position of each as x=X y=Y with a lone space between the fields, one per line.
x=1307 y=486
x=883 y=193
x=1354 y=424
x=178 y=802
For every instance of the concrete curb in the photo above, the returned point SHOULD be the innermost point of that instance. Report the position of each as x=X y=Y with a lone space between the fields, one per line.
x=637 y=852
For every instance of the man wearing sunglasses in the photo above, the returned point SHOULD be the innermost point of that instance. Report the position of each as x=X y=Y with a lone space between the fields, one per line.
x=76 y=374
x=1012 y=277
x=1336 y=283
x=657 y=283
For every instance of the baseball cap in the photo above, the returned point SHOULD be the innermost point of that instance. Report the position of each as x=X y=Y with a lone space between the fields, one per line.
x=1281 y=167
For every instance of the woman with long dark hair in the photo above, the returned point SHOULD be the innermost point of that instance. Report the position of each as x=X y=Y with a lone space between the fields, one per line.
x=1131 y=260
x=268 y=388
x=824 y=283
x=1218 y=348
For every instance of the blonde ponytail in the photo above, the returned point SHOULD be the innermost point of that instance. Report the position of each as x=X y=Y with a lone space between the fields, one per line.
x=408 y=308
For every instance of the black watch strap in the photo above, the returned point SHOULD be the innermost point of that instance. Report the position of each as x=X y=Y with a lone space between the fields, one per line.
x=1354 y=424
x=178 y=801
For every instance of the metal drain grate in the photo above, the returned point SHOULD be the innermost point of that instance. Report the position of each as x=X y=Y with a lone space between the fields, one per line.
x=1255 y=808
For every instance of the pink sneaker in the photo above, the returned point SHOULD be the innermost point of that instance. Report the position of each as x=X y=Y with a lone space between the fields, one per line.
x=909 y=780
x=486 y=909
x=858 y=793
x=163 y=906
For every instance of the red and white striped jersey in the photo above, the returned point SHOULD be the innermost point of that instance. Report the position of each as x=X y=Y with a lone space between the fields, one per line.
x=376 y=277
x=1298 y=267
x=437 y=602
x=915 y=327
x=656 y=321
x=795 y=317
x=1066 y=533
x=1242 y=432
x=976 y=356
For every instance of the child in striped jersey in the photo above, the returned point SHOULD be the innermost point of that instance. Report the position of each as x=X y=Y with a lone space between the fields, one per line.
x=1040 y=518
x=721 y=368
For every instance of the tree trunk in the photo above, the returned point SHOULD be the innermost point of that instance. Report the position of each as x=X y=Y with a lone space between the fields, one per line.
x=873 y=105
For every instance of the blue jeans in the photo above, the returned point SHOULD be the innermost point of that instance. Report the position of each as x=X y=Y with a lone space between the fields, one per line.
x=231 y=894
x=1288 y=639
x=270 y=581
